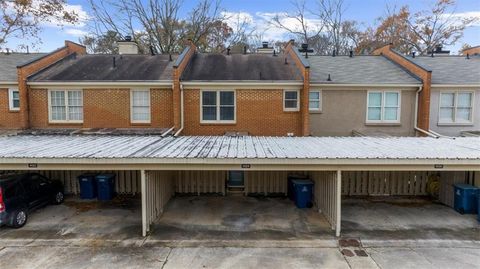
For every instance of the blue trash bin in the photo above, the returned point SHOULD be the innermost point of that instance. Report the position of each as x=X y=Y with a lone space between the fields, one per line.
x=105 y=186
x=290 y=189
x=88 y=189
x=465 y=201
x=303 y=192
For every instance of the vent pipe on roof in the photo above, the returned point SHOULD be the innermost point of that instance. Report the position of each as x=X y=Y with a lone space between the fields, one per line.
x=8 y=51
x=351 y=53
x=244 y=49
x=152 y=51
x=413 y=54
x=286 y=61
x=114 y=63
x=228 y=51
x=468 y=56
x=170 y=57
x=334 y=53
x=274 y=53
x=329 y=78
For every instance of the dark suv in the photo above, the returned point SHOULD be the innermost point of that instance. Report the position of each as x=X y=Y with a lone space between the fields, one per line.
x=22 y=193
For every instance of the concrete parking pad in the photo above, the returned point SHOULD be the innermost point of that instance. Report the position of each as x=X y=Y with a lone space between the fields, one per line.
x=255 y=258
x=80 y=221
x=427 y=258
x=396 y=219
x=82 y=257
x=238 y=218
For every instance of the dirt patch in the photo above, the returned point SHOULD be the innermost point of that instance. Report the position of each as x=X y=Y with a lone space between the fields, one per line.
x=122 y=202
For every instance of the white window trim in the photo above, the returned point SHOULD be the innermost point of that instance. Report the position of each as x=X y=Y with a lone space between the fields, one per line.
x=455 y=107
x=218 y=121
x=149 y=107
x=298 y=101
x=382 y=108
x=10 y=99
x=66 y=102
x=320 y=101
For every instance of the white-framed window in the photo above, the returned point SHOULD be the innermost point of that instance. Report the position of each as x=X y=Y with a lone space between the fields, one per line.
x=383 y=107
x=13 y=99
x=65 y=106
x=140 y=106
x=315 y=101
x=456 y=107
x=217 y=106
x=291 y=100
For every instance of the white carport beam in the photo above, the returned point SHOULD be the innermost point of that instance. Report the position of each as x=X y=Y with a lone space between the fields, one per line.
x=339 y=203
x=143 y=182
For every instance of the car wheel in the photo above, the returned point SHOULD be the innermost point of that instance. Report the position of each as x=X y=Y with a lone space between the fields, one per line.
x=59 y=198
x=19 y=218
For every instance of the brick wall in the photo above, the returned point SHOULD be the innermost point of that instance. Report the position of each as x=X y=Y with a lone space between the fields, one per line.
x=8 y=119
x=423 y=117
x=105 y=108
x=258 y=112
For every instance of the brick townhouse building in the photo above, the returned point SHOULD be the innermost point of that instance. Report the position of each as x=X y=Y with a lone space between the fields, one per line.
x=203 y=122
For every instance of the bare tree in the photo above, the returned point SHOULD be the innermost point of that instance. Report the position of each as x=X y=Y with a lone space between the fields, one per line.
x=304 y=30
x=19 y=19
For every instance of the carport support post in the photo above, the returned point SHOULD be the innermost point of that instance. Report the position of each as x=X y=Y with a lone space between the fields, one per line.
x=143 y=183
x=339 y=203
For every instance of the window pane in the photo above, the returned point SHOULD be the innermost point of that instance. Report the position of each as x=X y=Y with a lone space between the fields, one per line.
x=16 y=103
x=75 y=113
x=141 y=98
x=314 y=105
x=446 y=115
x=463 y=115
x=291 y=95
x=391 y=99
x=226 y=98
x=290 y=104
x=209 y=113
x=374 y=99
x=447 y=99
x=464 y=100
x=314 y=96
x=391 y=113
x=58 y=98
x=58 y=113
x=15 y=95
x=374 y=113
x=227 y=113
x=209 y=98
x=75 y=98
x=141 y=113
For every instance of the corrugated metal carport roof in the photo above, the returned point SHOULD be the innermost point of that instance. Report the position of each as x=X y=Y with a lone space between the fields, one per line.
x=223 y=147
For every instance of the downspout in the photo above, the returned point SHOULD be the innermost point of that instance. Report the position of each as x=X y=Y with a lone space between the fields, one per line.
x=420 y=88
x=181 y=111
x=167 y=131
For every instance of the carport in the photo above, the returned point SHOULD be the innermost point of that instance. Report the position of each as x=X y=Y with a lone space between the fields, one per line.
x=196 y=164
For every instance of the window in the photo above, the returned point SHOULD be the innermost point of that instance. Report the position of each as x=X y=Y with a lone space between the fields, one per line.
x=290 y=101
x=315 y=101
x=140 y=106
x=456 y=107
x=66 y=106
x=218 y=106
x=14 y=99
x=383 y=107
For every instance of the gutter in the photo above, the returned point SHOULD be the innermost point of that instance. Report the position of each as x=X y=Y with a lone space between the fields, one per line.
x=181 y=113
x=167 y=131
x=319 y=84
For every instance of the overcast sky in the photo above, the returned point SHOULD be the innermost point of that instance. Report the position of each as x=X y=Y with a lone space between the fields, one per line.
x=259 y=12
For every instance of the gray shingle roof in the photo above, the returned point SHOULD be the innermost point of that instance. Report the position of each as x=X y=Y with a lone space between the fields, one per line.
x=451 y=69
x=358 y=70
x=9 y=63
x=100 y=68
x=235 y=67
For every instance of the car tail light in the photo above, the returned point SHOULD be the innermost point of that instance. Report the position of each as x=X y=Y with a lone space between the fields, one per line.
x=2 y=204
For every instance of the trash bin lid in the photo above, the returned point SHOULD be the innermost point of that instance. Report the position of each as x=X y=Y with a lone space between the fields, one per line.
x=465 y=186
x=302 y=182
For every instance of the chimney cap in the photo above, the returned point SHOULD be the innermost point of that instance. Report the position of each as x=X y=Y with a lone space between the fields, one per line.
x=128 y=38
